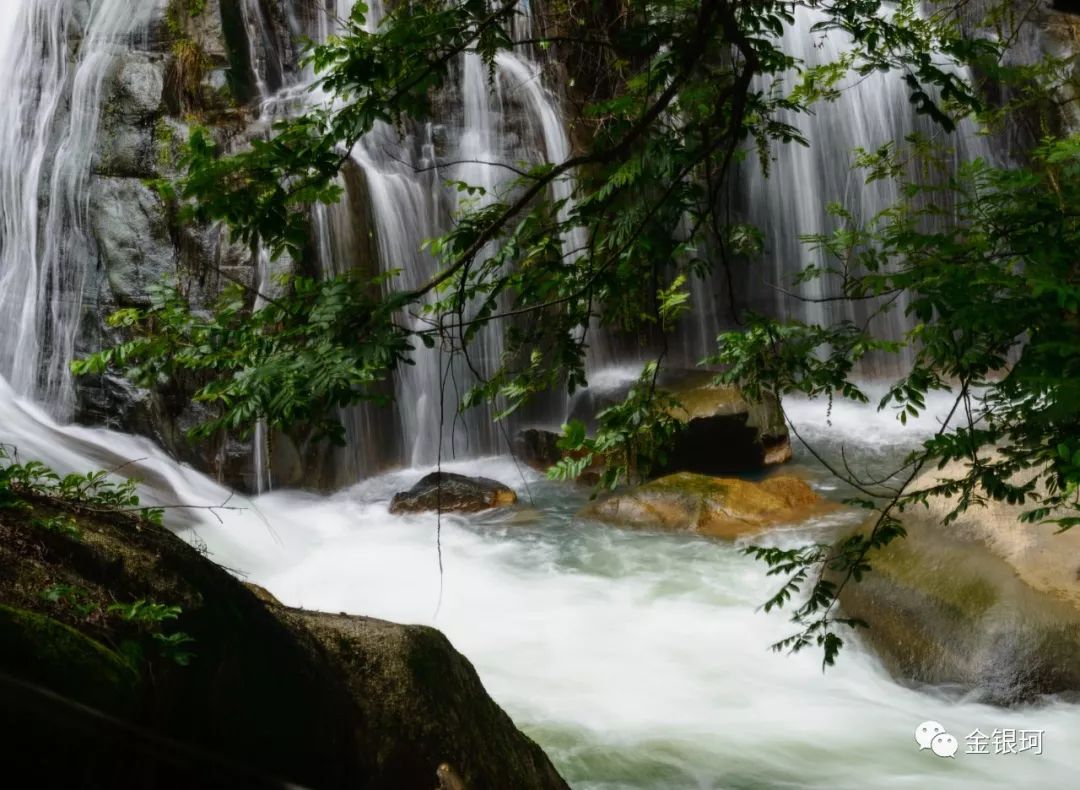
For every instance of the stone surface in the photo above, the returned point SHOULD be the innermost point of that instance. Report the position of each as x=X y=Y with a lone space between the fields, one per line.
x=719 y=507
x=39 y=649
x=132 y=104
x=987 y=604
x=141 y=130
x=272 y=697
x=945 y=610
x=537 y=447
x=726 y=432
x=131 y=227
x=1043 y=558
x=453 y=493
x=424 y=706
x=137 y=83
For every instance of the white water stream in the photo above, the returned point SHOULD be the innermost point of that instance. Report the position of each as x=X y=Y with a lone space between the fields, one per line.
x=48 y=129
x=637 y=660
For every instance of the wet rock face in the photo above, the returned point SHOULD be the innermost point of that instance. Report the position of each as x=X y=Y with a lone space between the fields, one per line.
x=718 y=507
x=452 y=493
x=943 y=609
x=129 y=222
x=130 y=110
x=1036 y=30
x=139 y=242
x=988 y=603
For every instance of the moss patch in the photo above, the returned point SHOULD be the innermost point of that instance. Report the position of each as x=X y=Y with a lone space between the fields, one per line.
x=47 y=652
x=968 y=594
x=263 y=693
x=709 y=401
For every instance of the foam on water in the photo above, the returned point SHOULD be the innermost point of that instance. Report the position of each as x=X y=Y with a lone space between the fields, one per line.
x=635 y=659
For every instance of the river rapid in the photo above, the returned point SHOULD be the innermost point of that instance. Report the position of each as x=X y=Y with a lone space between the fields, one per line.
x=636 y=659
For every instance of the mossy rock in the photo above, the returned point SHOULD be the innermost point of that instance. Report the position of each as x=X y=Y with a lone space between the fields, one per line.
x=720 y=507
x=726 y=432
x=55 y=656
x=271 y=696
x=944 y=610
x=424 y=707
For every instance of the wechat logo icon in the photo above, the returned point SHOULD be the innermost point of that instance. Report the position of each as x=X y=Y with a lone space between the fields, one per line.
x=931 y=735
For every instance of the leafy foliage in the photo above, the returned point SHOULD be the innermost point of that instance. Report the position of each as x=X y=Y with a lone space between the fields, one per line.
x=23 y=482
x=611 y=236
x=23 y=485
x=631 y=440
x=64 y=525
x=289 y=362
x=994 y=303
x=149 y=618
x=699 y=88
x=71 y=596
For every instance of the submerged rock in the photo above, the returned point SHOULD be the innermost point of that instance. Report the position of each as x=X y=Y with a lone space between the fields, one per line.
x=986 y=604
x=719 y=507
x=451 y=492
x=272 y=696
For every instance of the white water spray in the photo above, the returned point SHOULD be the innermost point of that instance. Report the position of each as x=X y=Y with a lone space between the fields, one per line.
x=54 y=62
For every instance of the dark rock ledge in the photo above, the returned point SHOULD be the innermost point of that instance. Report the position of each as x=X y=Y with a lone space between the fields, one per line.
x=272 y=695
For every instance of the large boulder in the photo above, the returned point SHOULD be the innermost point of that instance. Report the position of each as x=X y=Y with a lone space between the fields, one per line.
x=271 y=696
x=720 y=507
x=726 y=432
x=986 y=604
x=434 y=708
x=451 y=492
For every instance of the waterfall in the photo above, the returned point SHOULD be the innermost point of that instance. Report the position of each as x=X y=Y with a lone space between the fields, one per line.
x=635 y=658
x=491 y=122
x=482 y=125
x=396 y=197
x=54 y=56
x=792 y=198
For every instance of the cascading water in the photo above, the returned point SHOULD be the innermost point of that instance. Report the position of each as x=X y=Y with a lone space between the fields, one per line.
x=483 y=125
x=505 y=121
x=397 y=186
x=792 y=198
x=635 y=659
x=55 y=62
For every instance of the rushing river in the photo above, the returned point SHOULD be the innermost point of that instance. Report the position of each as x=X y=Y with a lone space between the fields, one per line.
x=637 y=660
